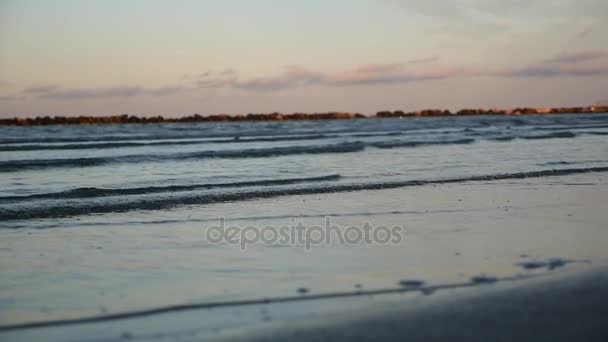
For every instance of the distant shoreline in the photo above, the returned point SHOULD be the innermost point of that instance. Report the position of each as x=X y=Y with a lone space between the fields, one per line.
x=132 y=119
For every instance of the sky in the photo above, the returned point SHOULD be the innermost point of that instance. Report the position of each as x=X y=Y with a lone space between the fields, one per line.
x=179 y=57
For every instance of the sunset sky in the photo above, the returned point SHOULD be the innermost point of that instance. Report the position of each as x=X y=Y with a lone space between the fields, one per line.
x=151 y=57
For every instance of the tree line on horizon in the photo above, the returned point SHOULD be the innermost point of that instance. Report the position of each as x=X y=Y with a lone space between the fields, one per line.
x=133 y=119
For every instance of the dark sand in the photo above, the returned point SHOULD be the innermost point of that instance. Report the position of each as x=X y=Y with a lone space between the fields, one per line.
x=562 y=308
x=566 y=305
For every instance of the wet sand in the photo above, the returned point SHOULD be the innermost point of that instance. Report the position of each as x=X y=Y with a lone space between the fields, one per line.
x=563 y=307
x=566 y=305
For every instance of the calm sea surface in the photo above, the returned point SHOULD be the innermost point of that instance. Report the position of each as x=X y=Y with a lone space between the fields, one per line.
x=101 y=219
x=74 y=172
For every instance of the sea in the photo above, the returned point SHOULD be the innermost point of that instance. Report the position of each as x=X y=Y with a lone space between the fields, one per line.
x=103 y=219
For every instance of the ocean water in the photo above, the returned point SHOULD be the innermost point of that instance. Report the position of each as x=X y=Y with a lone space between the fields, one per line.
x=98 y=219
x=77 y=171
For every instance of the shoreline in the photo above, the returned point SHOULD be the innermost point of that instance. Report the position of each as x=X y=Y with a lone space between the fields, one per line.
x=421 y=289
x=552 y=307
x=196 y=118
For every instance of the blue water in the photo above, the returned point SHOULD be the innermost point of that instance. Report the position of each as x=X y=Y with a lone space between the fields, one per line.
x=72 y=172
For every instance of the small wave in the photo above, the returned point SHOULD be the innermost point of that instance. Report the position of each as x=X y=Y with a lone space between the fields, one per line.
x=32 y=164
x=574 y=162
x=212 y=137
x=236 y=139
x=345 y=147
x=518 y=122
x=92 y=192
x=399 y=143
x=509 y=138
x=85 y=145
x=562 y=127
x=555 y=135
x=559 y=163
x=67 y=208
x=595 y=133
x=29 y=164
x=131 y=138
x=549 y=264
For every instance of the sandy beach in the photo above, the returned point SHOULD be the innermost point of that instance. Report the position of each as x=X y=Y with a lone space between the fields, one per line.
x=562 y=307
x=565 y=305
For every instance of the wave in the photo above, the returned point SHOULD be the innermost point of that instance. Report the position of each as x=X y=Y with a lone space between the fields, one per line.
x=124 y=138
x=32 y=164
x=566 y=126
x=227 y=136
x=555 y=135
x=85 y=145
x=595 y=133
x=92 y=192
x=507 y=138
x=345 y=147
x=236 y=140
x=563 y=162
x=68 y=208
x=400 y=143
x=103 y=145
x=86 y=139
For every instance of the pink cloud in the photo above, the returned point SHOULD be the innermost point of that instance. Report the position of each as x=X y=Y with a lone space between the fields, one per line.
x=291 y=77
x=574 y=64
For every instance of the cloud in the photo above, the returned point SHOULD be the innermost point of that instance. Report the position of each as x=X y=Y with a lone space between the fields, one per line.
x=471 y=20
x=584 y=32
x=228 y=72
x=573 y=64
x=580 y=63
x=162 y=91
x=547 y=70
x=55 y=92
x=91 y=93
x=426 y=60
x=367 y=74
x=389 y=73
x=578 y=57
x=36 y=89
x=467 y=18
x=292 y=76
x=215 y=82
